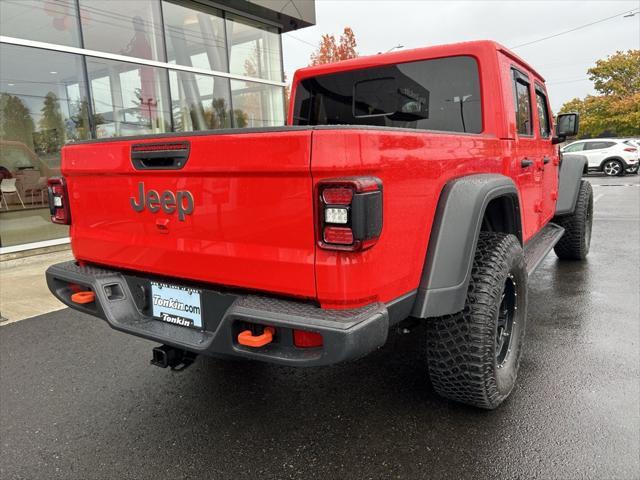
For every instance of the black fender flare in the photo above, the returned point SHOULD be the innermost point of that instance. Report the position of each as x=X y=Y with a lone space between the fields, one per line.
x=454 y=236
x=571 y=169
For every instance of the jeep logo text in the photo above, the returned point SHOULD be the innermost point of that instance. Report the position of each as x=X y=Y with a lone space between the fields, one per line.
x=182 y=201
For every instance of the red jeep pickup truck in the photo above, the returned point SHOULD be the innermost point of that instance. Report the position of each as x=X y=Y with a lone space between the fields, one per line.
x=420 y=184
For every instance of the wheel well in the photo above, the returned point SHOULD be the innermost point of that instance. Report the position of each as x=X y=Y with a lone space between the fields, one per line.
x=611 y=158
x=503 y=215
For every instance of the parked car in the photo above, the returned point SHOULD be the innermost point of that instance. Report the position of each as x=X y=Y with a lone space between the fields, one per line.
x=422 y=184
x=612 y=156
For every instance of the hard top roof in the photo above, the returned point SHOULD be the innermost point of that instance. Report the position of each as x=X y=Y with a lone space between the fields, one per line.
x=402 y=56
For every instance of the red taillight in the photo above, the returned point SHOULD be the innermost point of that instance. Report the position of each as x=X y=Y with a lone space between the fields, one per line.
x=337 y=196
x=304 y=339
x=630 y=149
x=338 y=235
x=349 y=213
x=59 y=201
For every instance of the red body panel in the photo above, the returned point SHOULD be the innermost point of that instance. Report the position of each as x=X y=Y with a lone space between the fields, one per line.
x=413 y=167
x=253 y=222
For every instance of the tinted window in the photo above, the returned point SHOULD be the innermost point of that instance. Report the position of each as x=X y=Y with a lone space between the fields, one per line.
x=128 y=99
x=598 y=145
x=195 y=37
x=43 y=106
x=256 y=105
x=543 y=114
x=199 y=102
x=126 y=27
x=441 y=94
x=254 y=48
x=574 y=147
x=38 y=117
x=522 y=103
x=52 y=21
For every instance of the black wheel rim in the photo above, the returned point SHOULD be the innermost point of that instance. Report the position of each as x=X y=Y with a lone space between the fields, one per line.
x=506 y=320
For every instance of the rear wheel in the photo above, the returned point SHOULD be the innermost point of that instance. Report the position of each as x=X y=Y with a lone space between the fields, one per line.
x=613 y=168
x=576 y=241
x=474 y=355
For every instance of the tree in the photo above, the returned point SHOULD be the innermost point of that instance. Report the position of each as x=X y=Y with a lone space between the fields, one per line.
x=619 y=74
x=330 y=50
x=52 y=128
x=79 y=128
x=615 y=111
x=15 y=120
x=218 y=115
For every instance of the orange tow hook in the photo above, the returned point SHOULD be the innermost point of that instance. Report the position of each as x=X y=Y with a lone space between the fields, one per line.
x=83 y=297
x=248 y=339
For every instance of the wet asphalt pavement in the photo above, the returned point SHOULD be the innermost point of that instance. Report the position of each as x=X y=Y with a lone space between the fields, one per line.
x=79 y=400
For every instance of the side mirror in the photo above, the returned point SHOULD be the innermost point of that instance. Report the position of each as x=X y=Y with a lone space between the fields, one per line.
x=566 y=126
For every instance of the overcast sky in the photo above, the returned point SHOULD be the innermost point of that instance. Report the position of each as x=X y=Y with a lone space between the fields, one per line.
x=563 y=61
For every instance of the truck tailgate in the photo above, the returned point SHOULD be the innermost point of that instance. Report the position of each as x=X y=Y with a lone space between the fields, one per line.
x=251 y=223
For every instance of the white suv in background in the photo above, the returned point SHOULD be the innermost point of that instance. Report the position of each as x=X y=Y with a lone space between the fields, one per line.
x=613 y=156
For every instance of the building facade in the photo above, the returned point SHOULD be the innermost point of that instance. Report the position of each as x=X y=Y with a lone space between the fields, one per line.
x=73 y=70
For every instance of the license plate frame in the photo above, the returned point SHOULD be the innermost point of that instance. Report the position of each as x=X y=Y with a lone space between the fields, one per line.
x=177 y=305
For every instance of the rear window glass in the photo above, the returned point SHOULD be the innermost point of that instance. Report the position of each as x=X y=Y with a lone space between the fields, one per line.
x=441 y=94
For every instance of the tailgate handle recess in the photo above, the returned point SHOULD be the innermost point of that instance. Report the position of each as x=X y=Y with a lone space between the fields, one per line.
x=160 y=156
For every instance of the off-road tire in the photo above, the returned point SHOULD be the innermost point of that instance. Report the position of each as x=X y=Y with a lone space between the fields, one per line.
x=462 y=349
x=576 y=241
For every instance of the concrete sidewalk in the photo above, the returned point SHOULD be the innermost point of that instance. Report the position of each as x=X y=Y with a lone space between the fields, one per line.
x=23 y=288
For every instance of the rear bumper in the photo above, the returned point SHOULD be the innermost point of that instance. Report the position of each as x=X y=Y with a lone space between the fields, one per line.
x=121 y=300
x=630 y=165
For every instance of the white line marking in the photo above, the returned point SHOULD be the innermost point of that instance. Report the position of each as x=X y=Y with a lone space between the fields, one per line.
x=598 y=197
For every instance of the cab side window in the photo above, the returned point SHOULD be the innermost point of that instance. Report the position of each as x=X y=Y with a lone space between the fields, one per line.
x=522 y=102
x=543 y=113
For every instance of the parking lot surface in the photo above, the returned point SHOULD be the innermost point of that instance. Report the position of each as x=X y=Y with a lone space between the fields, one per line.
x=79 y=400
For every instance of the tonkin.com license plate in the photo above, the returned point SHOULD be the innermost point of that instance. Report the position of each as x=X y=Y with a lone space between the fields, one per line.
x=177 y=305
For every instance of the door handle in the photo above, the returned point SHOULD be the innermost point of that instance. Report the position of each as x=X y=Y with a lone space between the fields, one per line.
x=524 y=163
x=546 y=160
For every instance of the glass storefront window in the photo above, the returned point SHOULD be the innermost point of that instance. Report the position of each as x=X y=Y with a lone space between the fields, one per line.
x=49 y=98
x=52 y=21
x=195 y=37
x=128 y=99
x=254 y=49
x=257 y=105
x=125 y=27
x=199 y=102
x=43 y=105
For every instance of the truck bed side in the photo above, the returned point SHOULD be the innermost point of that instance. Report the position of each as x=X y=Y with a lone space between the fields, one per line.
x=414 y=166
